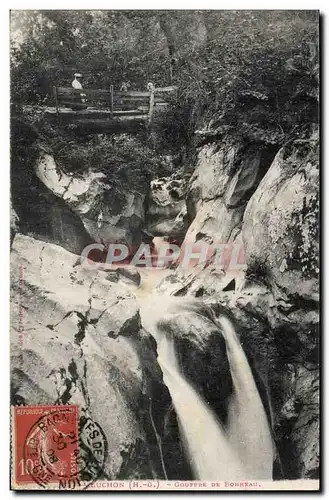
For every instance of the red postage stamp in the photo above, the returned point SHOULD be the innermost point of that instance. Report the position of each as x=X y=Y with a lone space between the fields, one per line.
x=45 y=447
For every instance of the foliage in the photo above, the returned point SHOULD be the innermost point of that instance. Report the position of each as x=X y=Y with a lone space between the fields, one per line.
x=126 y=160
x=307 y=230
x=258 y=76
x=108 y=47
x=174 y=128
x=252 y=73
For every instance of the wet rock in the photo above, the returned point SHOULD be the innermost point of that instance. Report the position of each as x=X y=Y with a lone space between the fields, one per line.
x=166 y=206
x=198 y=342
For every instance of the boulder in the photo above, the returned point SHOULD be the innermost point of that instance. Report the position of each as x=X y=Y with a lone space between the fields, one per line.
x=108 y=213
x=198 y=342
x=41 y=213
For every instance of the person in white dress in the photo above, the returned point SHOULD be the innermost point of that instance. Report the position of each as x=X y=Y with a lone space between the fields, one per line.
x=76 y=84
x=150 y=86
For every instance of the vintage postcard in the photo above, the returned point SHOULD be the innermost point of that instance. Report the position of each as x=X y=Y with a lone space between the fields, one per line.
x=164 y=250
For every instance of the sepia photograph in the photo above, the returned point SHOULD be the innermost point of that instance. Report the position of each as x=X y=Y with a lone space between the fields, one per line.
x=164 y=250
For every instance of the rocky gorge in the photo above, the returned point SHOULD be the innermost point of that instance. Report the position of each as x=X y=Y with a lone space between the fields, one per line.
x=263 y=197
x=268 y=200
x=164 y=237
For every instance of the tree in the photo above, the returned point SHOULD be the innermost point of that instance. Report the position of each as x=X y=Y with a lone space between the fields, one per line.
x=255 y=72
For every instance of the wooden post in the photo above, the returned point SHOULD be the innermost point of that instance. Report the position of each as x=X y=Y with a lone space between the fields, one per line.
x=111 y=99
x=151 y=103
x=56 y=98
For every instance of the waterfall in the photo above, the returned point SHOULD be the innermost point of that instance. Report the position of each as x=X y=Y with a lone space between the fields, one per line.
x=211 y=456
x=242 y=449
x=248 y=429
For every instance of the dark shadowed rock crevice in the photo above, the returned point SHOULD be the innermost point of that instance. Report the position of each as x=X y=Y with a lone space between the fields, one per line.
x=40 y=213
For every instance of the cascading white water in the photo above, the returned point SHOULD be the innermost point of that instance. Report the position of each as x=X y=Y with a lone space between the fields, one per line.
x=248 y=429
x=241 y=451
x=211 y=455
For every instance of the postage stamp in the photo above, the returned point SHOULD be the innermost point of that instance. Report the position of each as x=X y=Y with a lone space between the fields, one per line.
x=164 y=249
x=52 y=448
x=45 y=444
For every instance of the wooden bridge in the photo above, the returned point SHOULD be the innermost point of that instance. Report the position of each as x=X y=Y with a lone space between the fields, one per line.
x=88 y=104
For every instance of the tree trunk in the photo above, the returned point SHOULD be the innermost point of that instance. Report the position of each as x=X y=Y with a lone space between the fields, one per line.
x=166 y=20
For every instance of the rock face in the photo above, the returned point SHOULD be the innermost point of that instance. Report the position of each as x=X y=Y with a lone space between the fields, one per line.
x=166 y=206
x=280 y=228
x=280 y=233
x=220 y=187
x=108 y=215
x=77 y=339
x=14 y=223
x=286 y=372
x=41 y=213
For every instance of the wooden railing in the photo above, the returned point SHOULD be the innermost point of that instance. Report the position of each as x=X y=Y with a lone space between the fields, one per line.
x=116 y=102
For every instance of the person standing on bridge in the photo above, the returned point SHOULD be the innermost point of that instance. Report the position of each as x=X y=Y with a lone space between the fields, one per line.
x=150 y=86
x=125 y=86
x=76 y=84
